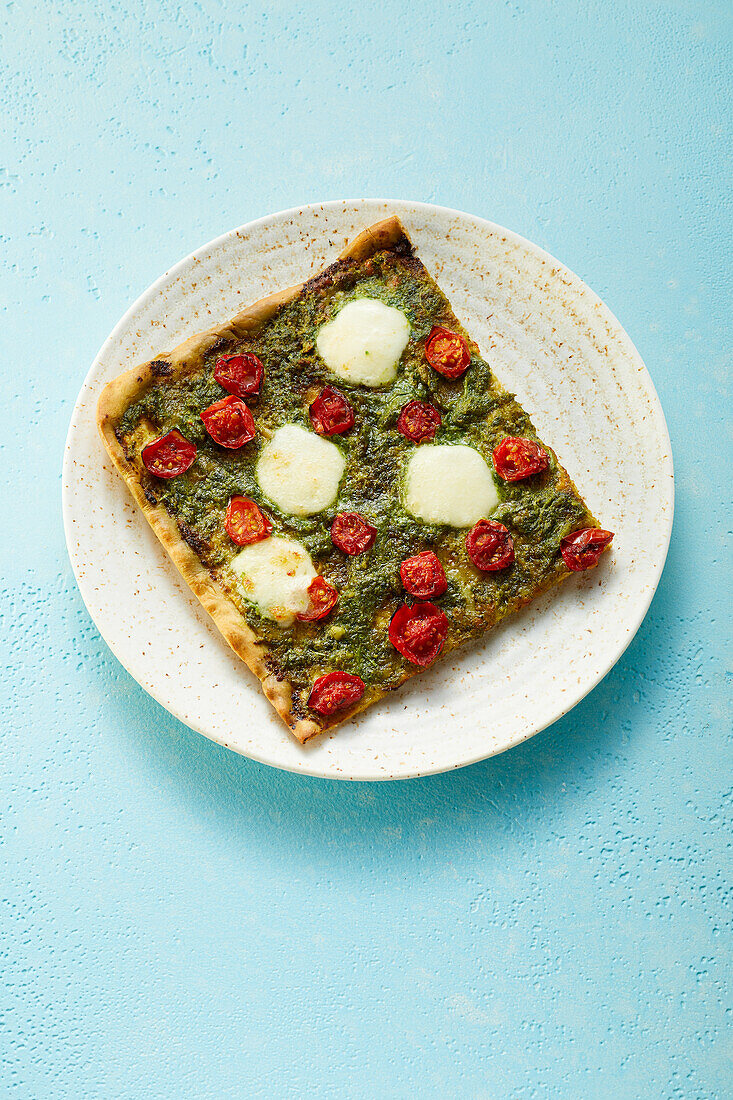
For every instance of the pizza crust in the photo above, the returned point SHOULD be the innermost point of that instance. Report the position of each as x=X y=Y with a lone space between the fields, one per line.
x=123 y=391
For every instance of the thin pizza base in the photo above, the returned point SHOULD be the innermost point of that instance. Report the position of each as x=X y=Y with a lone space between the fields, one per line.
x=123 y=391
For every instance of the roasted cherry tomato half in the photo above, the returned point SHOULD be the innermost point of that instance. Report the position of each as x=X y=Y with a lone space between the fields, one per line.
x=245 y=523
x=419 y=421
x=169 y=456
x=582 y=549
x=240 y=374
x=351 y=533
x=323 y=598
x=490 y=546
x=229 y=422
x=335 y=691
x=515 y=459
x=418 y=632
x=447 y=352
x=423 y=575
x=331 y=413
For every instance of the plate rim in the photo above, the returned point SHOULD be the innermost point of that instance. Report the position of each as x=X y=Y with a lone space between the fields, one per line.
x=192 y=257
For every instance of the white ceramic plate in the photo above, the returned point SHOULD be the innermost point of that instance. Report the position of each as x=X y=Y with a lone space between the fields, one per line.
x=573 y=368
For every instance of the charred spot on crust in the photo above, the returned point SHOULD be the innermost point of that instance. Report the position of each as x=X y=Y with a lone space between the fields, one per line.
x=297 y=709
x=328 y=278
x=194 y=540
x=127 y=445
x=273 y=667
x=150 y=495
x=222 y=344
x=159 y=368
x=403 y=247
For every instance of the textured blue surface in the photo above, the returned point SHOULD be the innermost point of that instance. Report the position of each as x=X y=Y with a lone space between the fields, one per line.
x=180 y=922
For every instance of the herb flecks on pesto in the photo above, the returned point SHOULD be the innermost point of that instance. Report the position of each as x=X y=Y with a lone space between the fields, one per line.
x=474 y=410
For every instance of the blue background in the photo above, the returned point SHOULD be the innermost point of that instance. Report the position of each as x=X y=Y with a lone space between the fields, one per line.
x=180 y=922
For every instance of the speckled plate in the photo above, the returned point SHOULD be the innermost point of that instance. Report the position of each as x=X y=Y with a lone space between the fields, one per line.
x=573 y=368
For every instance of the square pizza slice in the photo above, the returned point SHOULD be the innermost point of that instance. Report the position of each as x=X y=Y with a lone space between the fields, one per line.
x=343 y=482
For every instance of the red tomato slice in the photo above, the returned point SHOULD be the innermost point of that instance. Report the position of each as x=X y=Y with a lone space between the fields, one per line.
x=245 y=523
x=423 y=575
x=323 y=597
x=419 y=421
x=447 y=352
x=229 y=422
x=351 y=533
x=418 y=632
x=490 y=546
x=331 y=413
x=169 y=456
x=516 y=458
x=582 y=549
x=335 y=691
x=240 y=374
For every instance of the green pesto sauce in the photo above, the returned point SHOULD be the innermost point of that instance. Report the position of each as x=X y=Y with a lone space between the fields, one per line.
x=475 y=410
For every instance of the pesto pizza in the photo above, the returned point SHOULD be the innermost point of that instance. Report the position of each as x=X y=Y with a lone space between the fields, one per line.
x=343 y=482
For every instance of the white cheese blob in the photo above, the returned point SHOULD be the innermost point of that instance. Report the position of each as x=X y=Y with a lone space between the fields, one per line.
x=299 y=471
x=445 y=484
x=364 y=342
x=275 y=574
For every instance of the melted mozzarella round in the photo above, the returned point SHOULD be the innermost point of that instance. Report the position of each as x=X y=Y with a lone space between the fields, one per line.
x=275 y=574
x=448 y=484
x=364 y=342
x=299 y=471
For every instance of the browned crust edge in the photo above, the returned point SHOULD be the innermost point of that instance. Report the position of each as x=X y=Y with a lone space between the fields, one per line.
x=122 y=391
